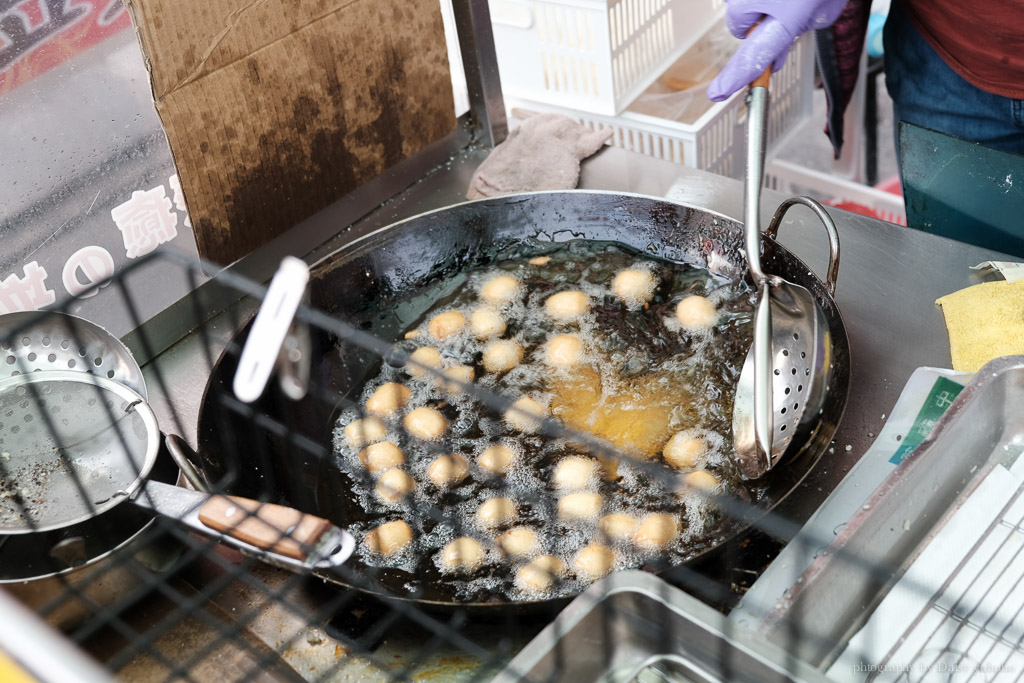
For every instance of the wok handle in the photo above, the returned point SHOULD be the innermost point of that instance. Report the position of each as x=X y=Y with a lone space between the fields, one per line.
x=830 y=229
x=271 y=533
x=763 y=80
x=270 y=527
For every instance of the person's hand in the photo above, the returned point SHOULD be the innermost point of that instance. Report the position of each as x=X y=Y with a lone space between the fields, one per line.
x=782 y=22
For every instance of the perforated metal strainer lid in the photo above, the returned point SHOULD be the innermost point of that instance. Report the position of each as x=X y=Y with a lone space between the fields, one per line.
x=72 y=445
x=31 y=342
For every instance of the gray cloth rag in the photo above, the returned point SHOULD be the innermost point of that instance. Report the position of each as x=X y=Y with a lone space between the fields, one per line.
x=543 y=153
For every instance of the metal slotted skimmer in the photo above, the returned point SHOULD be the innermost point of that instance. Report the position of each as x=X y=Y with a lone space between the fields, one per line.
x=801 y=360
x=782 y=385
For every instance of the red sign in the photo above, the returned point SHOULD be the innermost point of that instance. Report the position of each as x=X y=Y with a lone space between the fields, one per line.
x=37 y=35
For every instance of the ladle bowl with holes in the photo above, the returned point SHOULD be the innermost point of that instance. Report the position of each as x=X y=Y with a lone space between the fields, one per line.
x=801 y=358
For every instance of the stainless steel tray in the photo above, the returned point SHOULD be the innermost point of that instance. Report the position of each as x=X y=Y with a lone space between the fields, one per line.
x=983 y=428
x=633 y=626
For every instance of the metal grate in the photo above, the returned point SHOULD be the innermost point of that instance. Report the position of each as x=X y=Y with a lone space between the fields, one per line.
x=168 y=604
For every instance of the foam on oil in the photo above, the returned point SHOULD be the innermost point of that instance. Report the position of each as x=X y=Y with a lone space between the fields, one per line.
x=640 y=379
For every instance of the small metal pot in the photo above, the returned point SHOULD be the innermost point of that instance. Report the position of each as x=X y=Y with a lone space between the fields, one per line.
x=63 y=574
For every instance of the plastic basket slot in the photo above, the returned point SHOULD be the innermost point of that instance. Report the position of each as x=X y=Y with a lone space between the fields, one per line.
x=617 y=68
x=556 y=26
x=615 y=25
x=625 y=26
x=642 y=50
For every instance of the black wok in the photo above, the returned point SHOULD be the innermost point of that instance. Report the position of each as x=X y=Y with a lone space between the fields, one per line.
x=385 y=281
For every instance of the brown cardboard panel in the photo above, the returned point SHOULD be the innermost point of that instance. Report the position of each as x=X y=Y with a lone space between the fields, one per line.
x=276 y=108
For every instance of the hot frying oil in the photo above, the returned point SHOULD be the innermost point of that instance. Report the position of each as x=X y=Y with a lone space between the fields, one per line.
x=639 y=379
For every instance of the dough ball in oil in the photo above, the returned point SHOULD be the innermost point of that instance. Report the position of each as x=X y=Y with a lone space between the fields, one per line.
x=567 y=306
x=366 y=430
x=696 y=313
x=445 y=325
x=520 y=542
x=496 y=459
x=502 y=355
x=388 y=398
x=487 y=323
x=456 y=377
x=656 y=531
x=390 y=538
x=564 y=351
x=464 y=554
x=448 y=470
x=575 y=472
x=540 y=574
x=583 y=505
x=618 y=526
x=634 y=287
x=495 y=512
x=500 y=289
x=685 y=451
x=394 y=485
x=525 y=415
x=381 y=456
x=425 y=423
x=423 y=356
x=594 y=561
x=700 y=480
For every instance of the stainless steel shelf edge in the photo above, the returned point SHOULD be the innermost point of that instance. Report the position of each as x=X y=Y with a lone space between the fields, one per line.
x=41 y=651
x=841 y=588
x=633 y=620
x=488 y=124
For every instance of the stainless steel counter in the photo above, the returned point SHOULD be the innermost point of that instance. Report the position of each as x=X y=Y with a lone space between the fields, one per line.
x=889 y=279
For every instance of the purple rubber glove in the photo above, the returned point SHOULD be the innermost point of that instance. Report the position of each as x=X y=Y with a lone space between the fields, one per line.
x=782 y=22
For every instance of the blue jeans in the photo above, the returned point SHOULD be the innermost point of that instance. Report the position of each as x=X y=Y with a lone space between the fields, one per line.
x=925 y=91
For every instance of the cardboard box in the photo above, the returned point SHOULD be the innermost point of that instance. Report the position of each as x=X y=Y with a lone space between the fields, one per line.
x=275 y=108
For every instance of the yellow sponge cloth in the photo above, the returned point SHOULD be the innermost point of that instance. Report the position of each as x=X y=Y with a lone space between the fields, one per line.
x=985 y=321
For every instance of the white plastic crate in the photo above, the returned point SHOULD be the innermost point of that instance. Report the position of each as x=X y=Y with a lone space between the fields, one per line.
x=592 y=55
x=790 y=178
x=715 y=142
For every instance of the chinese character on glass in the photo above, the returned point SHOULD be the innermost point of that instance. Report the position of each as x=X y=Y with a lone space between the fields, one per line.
x=179 y=198
x=145 y=221
x=27 y=293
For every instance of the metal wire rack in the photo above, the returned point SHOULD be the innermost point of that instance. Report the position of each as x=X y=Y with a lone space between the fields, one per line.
x=150 y=599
